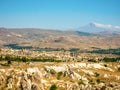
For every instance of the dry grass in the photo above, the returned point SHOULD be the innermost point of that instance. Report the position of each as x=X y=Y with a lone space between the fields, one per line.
x=75 y=73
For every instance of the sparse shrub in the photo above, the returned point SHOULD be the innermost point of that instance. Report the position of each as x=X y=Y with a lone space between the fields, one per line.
x=109 y=59
x=46 y=69
x=65 y=74
x=80 y=82
x=10 y=89
x=52 y=71
x=24 y=59
x=98 y=81
x=1 y=58
x=72 y=81
x=105 y=65
x=97 y=74
x=110 y=85
x=9 y=62
x=5 y=64
x=59 y=75
x=34 y=87
x=58 y=61
x=8 y=77
x=91 y=82
x=103 y=88
x=118 y=68
x=92 y=60
x=7 y=57
x=53 y=87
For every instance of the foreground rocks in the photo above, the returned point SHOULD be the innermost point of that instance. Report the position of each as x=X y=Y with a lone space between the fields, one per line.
x=65 y=76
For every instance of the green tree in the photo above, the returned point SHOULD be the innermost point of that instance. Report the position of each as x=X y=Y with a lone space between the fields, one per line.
x=24 y=59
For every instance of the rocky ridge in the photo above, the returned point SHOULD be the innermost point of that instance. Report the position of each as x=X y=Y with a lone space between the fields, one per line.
x=66 y=76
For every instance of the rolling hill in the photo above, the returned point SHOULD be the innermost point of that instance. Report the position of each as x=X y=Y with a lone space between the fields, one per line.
x=60 y=39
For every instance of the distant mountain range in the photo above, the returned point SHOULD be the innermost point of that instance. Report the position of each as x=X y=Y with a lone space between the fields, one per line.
x=100 y=29
x=91 y=35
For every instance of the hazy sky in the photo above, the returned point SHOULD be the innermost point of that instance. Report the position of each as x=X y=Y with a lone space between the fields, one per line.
x=58 y=14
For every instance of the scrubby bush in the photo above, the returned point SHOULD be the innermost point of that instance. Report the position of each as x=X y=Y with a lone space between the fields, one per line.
x=105 y=65
x=24 y=59
x=98 y=81
x=92 y=60
x=110 y=59
x=118 y=68
x=46 y=69
x=103 y=88
x=91 y=82
x=80 y=82
x=65 y=74
x=97 y=74
x=59 y=75
x=9 y=62
x=53 y=87
x=52 y=71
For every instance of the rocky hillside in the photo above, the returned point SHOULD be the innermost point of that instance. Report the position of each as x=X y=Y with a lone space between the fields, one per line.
x=60 y=76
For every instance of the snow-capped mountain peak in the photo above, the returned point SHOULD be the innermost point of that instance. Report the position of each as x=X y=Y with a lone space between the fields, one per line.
x=98 y=27
x=106 y=26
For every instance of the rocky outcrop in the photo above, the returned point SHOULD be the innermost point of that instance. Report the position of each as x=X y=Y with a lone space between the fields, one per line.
x=66 y=76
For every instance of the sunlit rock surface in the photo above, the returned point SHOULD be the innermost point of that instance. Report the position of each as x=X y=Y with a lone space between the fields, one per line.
x=66 y=76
